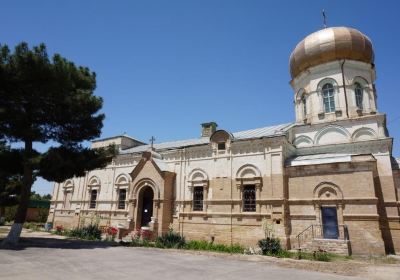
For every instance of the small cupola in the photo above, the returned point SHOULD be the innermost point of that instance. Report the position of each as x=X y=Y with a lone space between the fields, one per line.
x=207 y=129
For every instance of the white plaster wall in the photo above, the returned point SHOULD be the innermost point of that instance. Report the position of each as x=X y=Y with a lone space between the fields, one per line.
x=309 y=81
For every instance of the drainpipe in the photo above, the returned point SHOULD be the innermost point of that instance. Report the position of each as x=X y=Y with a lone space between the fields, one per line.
x=344 y=88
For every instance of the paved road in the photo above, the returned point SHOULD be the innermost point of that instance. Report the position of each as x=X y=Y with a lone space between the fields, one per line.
x=101 y=262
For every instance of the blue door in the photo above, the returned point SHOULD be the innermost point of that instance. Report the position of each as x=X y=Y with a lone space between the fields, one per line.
x=329 y=223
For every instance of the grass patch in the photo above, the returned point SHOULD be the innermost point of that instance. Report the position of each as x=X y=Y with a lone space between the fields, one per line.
x=201 y=245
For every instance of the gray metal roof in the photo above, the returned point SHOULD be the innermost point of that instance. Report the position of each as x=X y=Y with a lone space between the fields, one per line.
x=318 y=159
x=268 y=131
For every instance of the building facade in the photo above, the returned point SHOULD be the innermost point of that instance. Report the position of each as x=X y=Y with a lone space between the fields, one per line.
x=327 y=181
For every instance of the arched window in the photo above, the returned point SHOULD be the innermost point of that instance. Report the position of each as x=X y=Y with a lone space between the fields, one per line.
x=359 y=92
x=93 y=199
x=329 y=98
x=304 y=103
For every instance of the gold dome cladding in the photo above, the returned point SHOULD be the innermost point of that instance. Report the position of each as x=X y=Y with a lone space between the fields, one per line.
x=330 y=44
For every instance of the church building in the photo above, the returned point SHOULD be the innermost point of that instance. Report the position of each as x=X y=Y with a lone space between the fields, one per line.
x=328 y=180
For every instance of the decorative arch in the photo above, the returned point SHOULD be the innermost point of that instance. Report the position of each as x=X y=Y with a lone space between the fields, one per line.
x=303 y=141
x=197 y=174
x=221 y=141
x=300 y=93
x=94 y=183
x=145 y=182
x=68 y=189
x=328 y=194
x=198 y=184
x=326 y=81
x=122 y=180
x=221 y=135
x=332 y=134
x=361 y=80
x=327 y=191
x=248 y=171
x=363 y=134
x=68 y=185
x=248 y=174
x=368 y=94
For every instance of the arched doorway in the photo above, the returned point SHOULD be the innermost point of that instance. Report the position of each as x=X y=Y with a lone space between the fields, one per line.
x=146 y=205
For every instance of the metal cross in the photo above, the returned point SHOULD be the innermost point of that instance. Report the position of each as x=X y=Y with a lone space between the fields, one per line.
x=152 y=139
x=324 y=16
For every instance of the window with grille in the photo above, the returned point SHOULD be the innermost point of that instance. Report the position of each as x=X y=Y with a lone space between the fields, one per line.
x=93 y=199
x=249 y=198
x=121 y=199
x=221 y=146
x=359 y=96
x=198 y=197
x=329 y=98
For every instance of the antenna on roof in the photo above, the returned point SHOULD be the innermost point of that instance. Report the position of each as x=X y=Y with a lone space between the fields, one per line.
x=324 y=16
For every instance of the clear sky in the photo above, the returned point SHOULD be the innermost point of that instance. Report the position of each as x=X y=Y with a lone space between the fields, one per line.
x=164 y=67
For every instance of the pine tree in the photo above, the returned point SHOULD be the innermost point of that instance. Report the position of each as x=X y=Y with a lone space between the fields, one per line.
x=51 y=101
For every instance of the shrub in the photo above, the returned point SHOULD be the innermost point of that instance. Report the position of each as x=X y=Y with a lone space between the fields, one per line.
x=59 y=230
x=270 y=246
x=111 y=233
x=33 y=226
x=89 y=232
x=170 y=240
x=321 y=256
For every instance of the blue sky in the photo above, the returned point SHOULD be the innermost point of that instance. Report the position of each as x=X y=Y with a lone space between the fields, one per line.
x=164 y=67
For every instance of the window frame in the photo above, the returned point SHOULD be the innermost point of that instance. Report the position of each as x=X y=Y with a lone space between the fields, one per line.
x=221 y=146
x=121 y=202
x=198 y=203
x=359 y=96
x=304 y=105
x=93 y=201
x=328 y=98
x=249 y=203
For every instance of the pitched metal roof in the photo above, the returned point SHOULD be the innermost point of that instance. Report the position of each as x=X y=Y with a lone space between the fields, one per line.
x=268 y=131
x=318 y=159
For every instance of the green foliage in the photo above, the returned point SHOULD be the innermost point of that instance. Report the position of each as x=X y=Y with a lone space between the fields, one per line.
x=270 y=246
x=42 y=215
x=60 y=163
x=201 y=245
x=10 y=213
x=45 y=100
x=33 y=226
x=170 y=240
x=89 y=232
x=36 y=196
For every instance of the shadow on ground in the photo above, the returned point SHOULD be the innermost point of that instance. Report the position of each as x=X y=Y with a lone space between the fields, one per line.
x=39 y=242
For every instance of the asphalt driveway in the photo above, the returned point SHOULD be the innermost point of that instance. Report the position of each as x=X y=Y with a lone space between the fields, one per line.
x=138 y=263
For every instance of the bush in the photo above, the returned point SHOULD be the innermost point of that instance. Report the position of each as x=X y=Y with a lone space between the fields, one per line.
x=270 y=246
x=10 y=213
x=32 y=226
x=90 y=232
x=321 y=256
x=208 y=246
x=170 y=240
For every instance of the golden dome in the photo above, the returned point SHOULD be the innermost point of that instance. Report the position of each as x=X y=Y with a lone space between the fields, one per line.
x=330 y=44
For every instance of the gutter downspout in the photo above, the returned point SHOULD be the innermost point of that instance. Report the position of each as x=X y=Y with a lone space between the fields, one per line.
x=344 y=89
